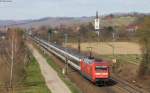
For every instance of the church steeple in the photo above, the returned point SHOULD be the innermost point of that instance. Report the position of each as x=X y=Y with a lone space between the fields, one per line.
x=96 y=14
x=97 y=22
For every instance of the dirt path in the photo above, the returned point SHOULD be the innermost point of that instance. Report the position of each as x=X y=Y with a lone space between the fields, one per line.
x=54 y=83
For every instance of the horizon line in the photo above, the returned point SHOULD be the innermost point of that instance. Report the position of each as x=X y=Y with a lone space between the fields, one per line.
x=106 y=14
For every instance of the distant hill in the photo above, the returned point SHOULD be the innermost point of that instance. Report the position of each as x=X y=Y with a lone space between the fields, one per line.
x=118 y=19
x=12 y=22
x=6 y=22
x=48 y=21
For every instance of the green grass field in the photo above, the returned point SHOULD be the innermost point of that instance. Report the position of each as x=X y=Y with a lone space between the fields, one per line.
x=34 y=81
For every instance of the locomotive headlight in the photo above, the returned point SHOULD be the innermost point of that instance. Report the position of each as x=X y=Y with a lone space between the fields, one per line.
x=101 y=73
x=98 y=73
x=104 y=73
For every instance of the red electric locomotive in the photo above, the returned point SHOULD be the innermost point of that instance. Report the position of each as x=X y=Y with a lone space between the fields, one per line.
x=95 y=70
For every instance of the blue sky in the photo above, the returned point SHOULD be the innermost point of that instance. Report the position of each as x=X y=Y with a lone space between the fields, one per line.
x=34 y=9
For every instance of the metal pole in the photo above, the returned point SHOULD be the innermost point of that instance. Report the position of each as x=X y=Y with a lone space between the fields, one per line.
x=79 y=48
x=113 y=46
x=90 y=50
x=12 y=61
x=66 y=65
x=66 y=61
x=66 y=39
x=79 y=41
x=113 y=34
x=48 y=37
x=99 y=37
x=79 y=44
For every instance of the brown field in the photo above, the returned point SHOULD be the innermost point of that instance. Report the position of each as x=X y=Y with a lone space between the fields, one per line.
x=107 y=48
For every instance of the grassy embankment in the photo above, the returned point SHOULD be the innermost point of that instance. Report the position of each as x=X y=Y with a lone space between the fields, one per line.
x=71 y=85
x=34 y=81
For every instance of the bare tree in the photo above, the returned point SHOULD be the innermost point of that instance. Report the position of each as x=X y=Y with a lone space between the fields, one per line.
x=14 y=57
x=144 y=35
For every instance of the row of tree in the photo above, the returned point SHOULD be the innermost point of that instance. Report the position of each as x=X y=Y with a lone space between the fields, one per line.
x=14 y=57
x=144 y=40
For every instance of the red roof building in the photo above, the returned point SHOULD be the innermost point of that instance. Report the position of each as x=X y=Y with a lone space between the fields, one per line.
x=132 y=28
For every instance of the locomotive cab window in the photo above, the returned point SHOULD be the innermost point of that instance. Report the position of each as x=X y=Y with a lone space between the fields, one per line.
x=101 y=68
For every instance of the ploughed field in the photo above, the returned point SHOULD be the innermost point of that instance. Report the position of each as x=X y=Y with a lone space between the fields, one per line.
x=106 y=48
x=123 y=51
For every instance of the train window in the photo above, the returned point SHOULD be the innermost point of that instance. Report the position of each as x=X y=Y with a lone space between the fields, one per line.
x=98 y=60
x=90 y=57
x=88 y=61
x=101 y=68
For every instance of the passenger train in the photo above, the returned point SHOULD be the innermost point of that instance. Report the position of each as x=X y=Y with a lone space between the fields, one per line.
x=94 y=70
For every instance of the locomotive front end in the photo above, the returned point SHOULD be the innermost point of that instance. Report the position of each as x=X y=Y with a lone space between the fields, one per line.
x=101 y=72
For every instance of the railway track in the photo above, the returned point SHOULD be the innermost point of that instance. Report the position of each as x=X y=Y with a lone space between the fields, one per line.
x=120 y=84
x=127 y=86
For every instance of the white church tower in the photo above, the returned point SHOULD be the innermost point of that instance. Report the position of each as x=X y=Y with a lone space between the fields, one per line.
x=97 y=22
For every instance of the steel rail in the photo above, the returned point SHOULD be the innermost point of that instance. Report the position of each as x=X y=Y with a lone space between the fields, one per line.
x=128 y=87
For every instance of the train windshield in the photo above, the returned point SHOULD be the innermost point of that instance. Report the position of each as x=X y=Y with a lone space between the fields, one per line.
x=101 y=68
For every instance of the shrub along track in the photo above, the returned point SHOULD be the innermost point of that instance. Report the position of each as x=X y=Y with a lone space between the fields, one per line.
x=87 y=87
